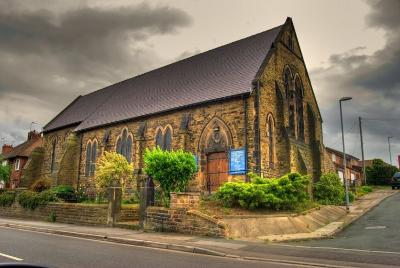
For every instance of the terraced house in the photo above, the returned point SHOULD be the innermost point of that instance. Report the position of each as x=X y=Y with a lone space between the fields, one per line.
x=247 y=106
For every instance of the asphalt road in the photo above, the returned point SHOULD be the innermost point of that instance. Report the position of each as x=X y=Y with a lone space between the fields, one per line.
x=59 y=251
x=378 y=230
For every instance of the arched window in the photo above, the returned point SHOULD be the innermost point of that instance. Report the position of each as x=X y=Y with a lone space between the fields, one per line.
x=299 y=108
x=164 y=140
x=88 y=158
x=93 y=158
x=53 y=156
x=271 y=145
x=167 y=139
x=124 y=145
x=159 y=139
x=287 y=79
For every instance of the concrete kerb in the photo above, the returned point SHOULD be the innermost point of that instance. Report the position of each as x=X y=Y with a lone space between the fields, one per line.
x=134 y=242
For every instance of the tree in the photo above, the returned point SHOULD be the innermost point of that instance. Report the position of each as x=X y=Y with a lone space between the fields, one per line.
x=112 y=169
x=171 y=169
x=5 y=172
x=379 y=172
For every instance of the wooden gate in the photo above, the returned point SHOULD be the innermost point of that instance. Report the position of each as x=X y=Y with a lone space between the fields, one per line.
x=217 y=170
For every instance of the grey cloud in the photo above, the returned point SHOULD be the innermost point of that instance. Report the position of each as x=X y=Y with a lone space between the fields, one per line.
x=53 y=51
x=372 y=80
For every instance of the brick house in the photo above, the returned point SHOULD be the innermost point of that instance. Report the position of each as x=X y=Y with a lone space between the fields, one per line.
x=250 y=100
x=354 y=167
x=18 y=156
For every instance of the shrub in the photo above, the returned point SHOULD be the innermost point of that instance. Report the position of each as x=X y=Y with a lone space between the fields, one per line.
x=66 y=193
x=380 y=172
x=7 y=199
x=112 y=169
x=32 y=200
x=282 y=193
x=171 y=169
x=5 y=172
x=329 y=190
x=52 y=217
x=41 y=185
x=366 y=189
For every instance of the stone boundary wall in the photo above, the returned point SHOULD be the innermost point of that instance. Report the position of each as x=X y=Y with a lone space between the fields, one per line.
x=185 y=200
x=183 y=221
x=73 y=213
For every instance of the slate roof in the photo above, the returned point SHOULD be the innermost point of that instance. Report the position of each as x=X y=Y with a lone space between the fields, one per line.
x=24 y=149
x=219 y=73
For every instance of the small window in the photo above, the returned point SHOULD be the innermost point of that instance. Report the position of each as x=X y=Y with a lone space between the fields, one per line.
x=333 y=157
x=167 y=139
x=340 y=173
x=17 y=164
x=53 y=156
x=159 y=139
x=93 y=158
x=4 y=163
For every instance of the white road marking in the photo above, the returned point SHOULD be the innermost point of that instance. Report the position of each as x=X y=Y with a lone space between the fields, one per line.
x=10 y=257
x=375 y=227
x=344 y=249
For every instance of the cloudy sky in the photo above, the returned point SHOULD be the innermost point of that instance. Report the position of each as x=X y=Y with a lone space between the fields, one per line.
x=52 y=51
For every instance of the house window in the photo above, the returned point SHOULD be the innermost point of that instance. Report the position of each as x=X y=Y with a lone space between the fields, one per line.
x=333 y=157
x=4 y=163
x=340 y=173
x=270 y=135
x=91 y=156
x=164 y=140
x=17 y=164
x=2 y=185
x=287 y=78
x=53 y=156
x=124 y=145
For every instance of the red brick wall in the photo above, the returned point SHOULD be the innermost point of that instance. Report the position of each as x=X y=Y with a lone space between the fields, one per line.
x=15 y=176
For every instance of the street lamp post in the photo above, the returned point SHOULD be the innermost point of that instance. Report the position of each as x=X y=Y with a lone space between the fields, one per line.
x=390 y=151
x=346 y=183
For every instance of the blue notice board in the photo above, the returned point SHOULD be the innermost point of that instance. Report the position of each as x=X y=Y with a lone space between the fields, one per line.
x=237 y=161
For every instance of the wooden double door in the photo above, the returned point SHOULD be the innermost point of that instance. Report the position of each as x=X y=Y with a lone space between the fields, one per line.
x=217 y=170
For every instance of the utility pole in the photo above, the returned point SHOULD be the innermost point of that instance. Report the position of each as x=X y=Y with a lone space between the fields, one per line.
x=346 y=183
x=362 y=151
x=390 y=151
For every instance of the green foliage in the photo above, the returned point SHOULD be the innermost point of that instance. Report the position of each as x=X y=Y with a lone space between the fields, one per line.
x=329 y=190
x=52 y=217
x=5 y=172
x=171 y=169
x=66 y=193
x=7 y=198
x=285 y=192
x=380 y=172
x=41 y=185
x=112 y=169
x=32 y=200
x=366 y=189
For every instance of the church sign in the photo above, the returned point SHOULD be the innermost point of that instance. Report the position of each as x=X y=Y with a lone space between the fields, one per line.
x=237 y=161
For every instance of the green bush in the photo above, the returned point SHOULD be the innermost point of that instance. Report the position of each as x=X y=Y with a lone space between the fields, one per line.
x=52 y=217
x=7 y=199
x=379 y=173
x=66 y=193
x=281 y=193
x=32 y=200
x=329 y=190
x=5 y=172
x=41 y=185
x=366 y=189
x=171 y=169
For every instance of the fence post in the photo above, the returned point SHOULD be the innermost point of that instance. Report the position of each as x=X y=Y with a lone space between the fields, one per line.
x=114 y=204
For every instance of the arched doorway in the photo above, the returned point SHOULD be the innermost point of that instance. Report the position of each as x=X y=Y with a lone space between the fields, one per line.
x=214 y=145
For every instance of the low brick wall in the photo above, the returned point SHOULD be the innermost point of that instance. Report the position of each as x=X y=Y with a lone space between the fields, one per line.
x=74 y=213
x=183 y=221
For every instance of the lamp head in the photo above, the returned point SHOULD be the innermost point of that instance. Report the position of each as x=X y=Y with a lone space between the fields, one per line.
x=345 y=98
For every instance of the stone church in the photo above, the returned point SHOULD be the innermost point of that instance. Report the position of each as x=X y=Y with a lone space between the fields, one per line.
x=247 y=106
